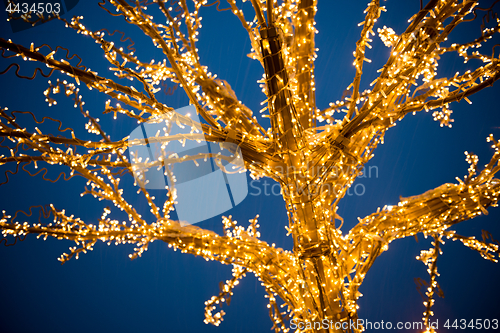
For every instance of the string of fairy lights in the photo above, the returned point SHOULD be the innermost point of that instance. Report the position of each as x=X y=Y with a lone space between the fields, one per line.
x=315 y=155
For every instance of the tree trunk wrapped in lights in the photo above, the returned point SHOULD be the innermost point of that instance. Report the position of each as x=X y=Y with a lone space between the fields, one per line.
x=303 y=150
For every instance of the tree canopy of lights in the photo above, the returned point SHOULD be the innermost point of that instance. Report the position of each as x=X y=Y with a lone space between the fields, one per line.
x=314 y=154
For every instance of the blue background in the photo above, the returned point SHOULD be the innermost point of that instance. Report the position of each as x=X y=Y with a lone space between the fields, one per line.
x=165 y=291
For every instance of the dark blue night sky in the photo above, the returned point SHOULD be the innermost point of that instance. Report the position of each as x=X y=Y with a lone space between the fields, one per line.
x=165 y=291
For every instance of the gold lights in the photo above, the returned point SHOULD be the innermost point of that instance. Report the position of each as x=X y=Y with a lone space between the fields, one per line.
x=315 y=155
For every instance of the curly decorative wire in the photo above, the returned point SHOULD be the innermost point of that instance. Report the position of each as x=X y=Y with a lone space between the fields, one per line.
x=18 y=68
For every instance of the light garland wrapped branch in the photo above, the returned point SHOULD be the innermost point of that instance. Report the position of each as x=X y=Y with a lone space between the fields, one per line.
x=314 y=155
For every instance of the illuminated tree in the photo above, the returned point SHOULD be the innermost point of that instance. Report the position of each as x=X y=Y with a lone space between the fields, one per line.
x=315 y=155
